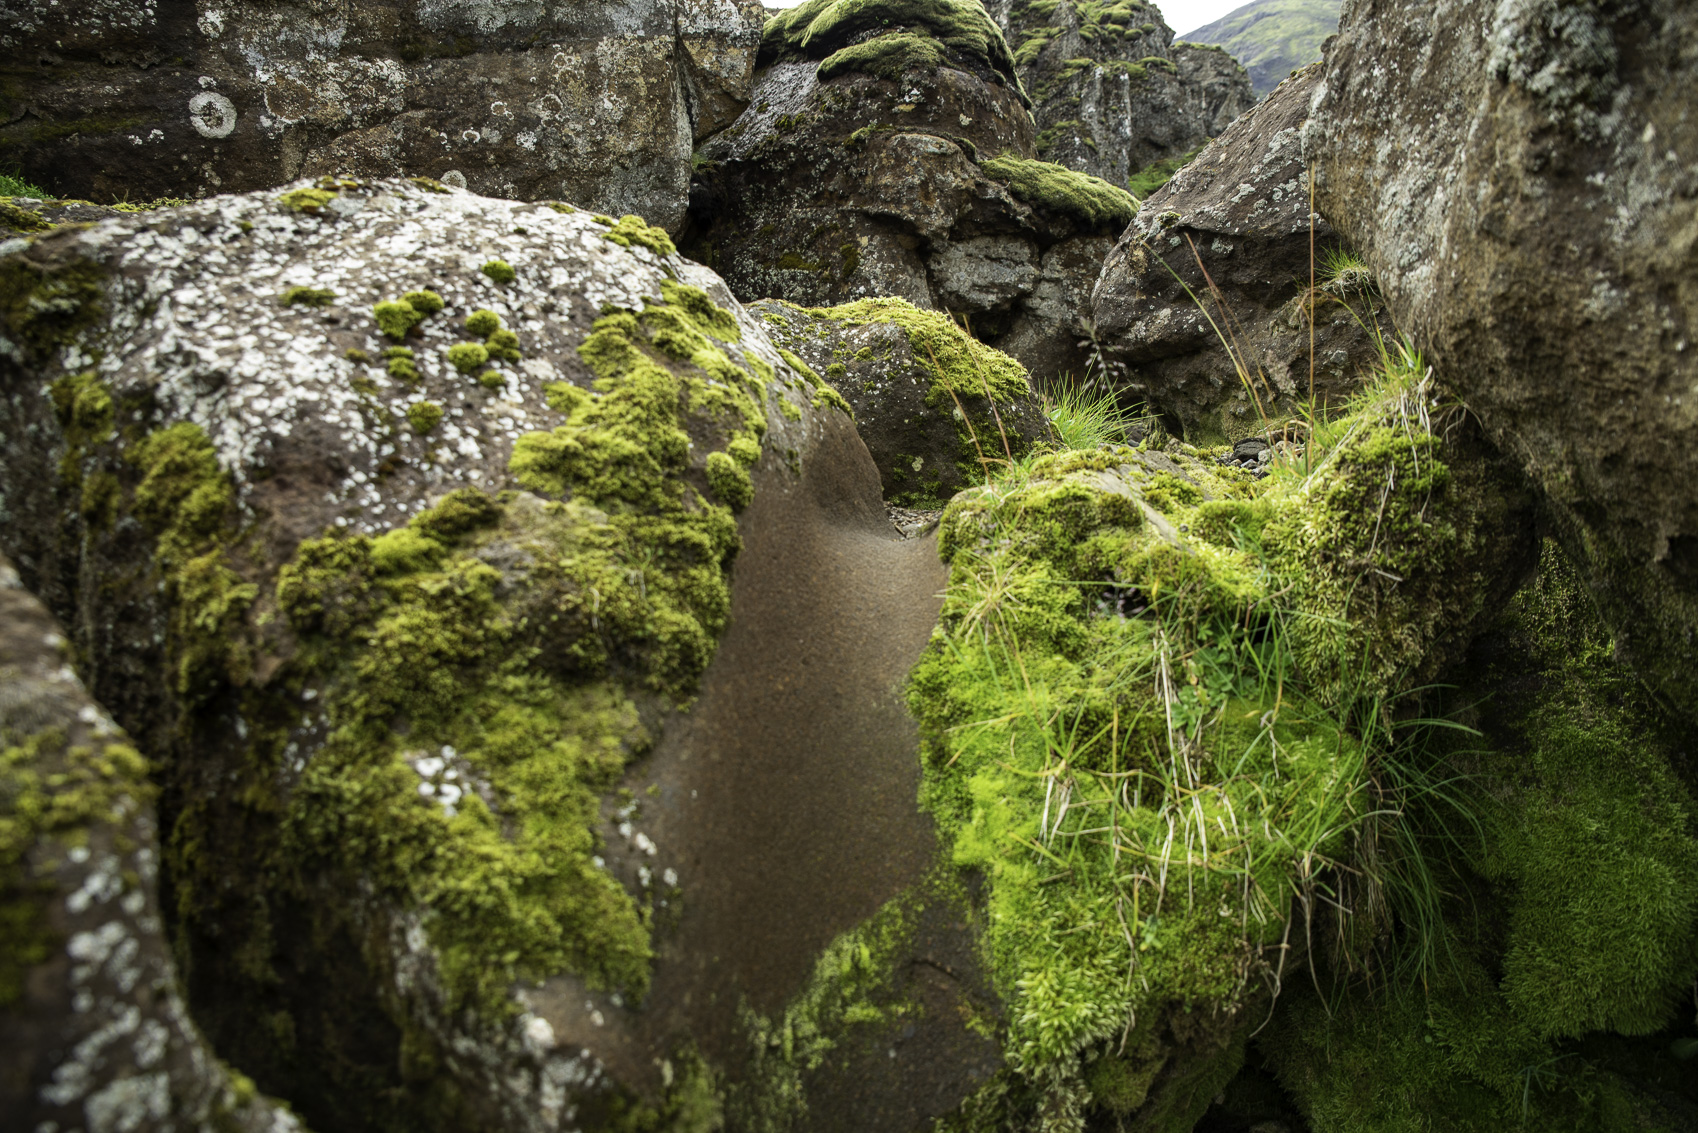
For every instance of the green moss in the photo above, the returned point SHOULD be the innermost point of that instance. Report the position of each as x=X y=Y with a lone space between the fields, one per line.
x=395 y=317
x=467 y=356
x=483 y=323
x=795 y=261
x=745 y=450
x=1143 y=783
x=887 y=56
x=1091 y=201
x=1153 y=177
x=504 y=345
x=634 y=231
x=424 y=416
x=499 y=271
x=425 y=302
x=429 y=184
x=51 y=793
x=20 y=219
x=957 y=31
x=307 y=200
x=492 y=380
x=956 y=361
x=46 y=307
x=401 y=364
x=729 y=480
x=308 y=297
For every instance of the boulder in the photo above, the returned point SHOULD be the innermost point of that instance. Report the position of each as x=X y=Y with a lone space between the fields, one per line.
x=396 y=526
x=1224 y=361
x=95 y=1032
x=939 y=411
x=1523 y=181
x=596 y=103
x=899 y=165
x=1113 y=94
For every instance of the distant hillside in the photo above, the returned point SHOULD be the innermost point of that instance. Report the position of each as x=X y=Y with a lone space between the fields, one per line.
x=1272 y=37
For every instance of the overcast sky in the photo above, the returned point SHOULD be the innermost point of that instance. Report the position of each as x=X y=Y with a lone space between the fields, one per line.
x=1181 y=15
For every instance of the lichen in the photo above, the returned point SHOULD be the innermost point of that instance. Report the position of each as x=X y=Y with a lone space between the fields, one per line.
x=1093 y=202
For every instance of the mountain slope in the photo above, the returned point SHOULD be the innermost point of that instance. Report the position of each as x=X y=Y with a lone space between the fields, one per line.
x=1272 y=37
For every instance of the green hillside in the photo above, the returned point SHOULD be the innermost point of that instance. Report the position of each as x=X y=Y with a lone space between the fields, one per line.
x=1271 y=37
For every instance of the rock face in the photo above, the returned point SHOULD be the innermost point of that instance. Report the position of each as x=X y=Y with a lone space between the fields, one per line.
x=595 y=103
x=898 y=166
x=1523 y=180
x=1112 y=93
x=1241 y=209
x=395 y=525
x=938 y=411
x=95 y=1033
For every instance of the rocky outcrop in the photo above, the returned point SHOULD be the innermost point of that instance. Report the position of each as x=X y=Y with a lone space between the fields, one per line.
x=396 y=526
x=93 y=1031
x=1222 y=354
x=595 y=103
x=898 y=165
x=1523 y=180
x=939 y=412
x=1112 y=93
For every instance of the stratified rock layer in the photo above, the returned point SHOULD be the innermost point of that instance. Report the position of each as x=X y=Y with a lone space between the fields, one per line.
x=1206 y=297
x=1523 y=180
x=594 y=103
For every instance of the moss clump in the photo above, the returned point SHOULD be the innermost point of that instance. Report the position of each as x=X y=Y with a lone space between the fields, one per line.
x=425 y=302
x=1154 y=706
x=467 y=356
x=504 y=346
x=634 y=231
x=956 y=361
x=424 y=416
x=500 y=271
x=401 y=364
x=492 y=380
x=308 y=297
x=308 y=200
x=1091 y=201
x=729 y=480
x=959 y=30
x=45 y=307
x=887 y=56
x=53 y=791
x=20 y=219
x=483 y=323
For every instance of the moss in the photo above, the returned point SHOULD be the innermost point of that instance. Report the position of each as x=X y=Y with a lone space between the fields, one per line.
x=729 y=480
x=467 y=356
x=561 y=207
x=633 y=231
x=1153 y=177
x=20 y=219
x=1142 y=782
x=357 y=356
x=46 y=307
x=308 y=297
x=1091 y=201
x=500 y=271
x=795 y=261
x=52 y=792
x=424 y=416
x=307 y=200
x=745 y=450
x=504 y=345
x=492 y=380
x=401 y=364
x=483 y=323
x=425 y=302
x=956 y=361
x=429 y=184
x=887 y=56
x=959 y=31
x=395 y=317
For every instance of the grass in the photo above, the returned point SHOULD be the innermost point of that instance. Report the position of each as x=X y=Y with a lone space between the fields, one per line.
x=13 y=185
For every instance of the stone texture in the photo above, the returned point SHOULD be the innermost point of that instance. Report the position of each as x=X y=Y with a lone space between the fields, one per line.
x=1113 y=94
x=599 y=104
x=1241 y=208
x=326 y=982
x=861 y=185
x=96 y=1035
x=1523 y=180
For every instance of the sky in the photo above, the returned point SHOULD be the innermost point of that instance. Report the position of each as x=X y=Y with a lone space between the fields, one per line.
x=1181 y=15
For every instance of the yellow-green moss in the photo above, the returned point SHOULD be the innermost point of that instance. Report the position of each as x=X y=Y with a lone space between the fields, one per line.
x=424 y=416
x=887 y=56
x=1091 y=201
x=729 y=480
x=467 y=356
x=45 y=307
x=634 y=231
x=308 y=297
x=500 y=271
x=307 y=200
x=483 y=323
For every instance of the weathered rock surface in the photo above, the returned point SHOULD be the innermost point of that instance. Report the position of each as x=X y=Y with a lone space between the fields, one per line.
x=93 y=1031
x=939 y=412
x=871 y=169
x=1240 y=208
x=1113 y=94
x=395 y=526
x=1523 y=180
x=594 y=103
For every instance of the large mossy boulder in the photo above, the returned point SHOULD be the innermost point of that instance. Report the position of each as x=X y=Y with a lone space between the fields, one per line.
x=1112 y=94
x=93 y=1029
x=1206 y=300
x=900 y=164
x=1159 y=714
x=396 y=527
x=939 y=411
x=591 y=102
x=1520 y=179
